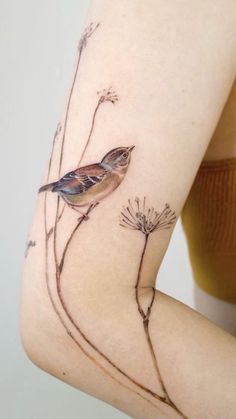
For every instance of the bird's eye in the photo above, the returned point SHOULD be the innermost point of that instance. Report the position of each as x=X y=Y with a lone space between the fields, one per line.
x=125 y=155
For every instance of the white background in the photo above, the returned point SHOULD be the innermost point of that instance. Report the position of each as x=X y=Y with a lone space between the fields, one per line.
x=38 y=42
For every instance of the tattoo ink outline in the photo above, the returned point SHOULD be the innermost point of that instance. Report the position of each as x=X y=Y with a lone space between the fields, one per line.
x=48 y=234
x=136 y=216
x=30 y=243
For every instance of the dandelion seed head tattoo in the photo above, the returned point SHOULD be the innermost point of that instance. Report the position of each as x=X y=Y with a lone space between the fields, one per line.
x=140 y=217
x=107 y=95
x=137 y=216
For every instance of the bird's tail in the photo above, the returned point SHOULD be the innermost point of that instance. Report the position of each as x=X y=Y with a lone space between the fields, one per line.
x=47 y=187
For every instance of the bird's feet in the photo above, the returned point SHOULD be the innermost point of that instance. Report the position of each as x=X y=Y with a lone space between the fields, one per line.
x=90 y=208
x=85 y=216
x=82 y=214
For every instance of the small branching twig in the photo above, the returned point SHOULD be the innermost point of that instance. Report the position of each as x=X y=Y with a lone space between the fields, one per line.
x=56 y=135
x=88 y=32
x=61 y=213
x=30 y=243
x=49 y=233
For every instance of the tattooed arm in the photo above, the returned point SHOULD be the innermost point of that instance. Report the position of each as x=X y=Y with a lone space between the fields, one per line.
x=150 y=82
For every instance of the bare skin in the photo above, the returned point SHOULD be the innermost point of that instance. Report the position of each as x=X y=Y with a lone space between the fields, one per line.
x=83 y=320
x=223 y=142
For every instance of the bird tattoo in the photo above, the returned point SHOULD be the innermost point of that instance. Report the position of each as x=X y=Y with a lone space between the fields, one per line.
x=88 y=185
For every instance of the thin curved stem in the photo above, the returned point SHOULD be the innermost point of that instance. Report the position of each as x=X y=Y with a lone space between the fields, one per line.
x=145 y=317
x=139 y=277
x=80 y=220
x=90 y=132
x=58 y=129
x=167 y=398
x=82 y=46
x=67 y=111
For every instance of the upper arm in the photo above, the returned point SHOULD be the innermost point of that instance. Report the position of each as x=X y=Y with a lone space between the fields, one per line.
x=155 y=75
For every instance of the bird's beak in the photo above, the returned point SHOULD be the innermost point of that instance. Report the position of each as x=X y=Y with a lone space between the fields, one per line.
x=131 y=147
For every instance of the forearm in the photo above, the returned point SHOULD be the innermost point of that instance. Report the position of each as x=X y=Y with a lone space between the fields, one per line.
x=99 y=324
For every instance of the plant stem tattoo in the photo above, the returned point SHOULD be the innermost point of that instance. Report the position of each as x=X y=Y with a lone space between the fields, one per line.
x=82 y=45
x=106 y=95
x=138 y=217
x=51 y=231
x=81 y=190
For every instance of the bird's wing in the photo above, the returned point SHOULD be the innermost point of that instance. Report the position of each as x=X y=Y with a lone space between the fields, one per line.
x=80 y=180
